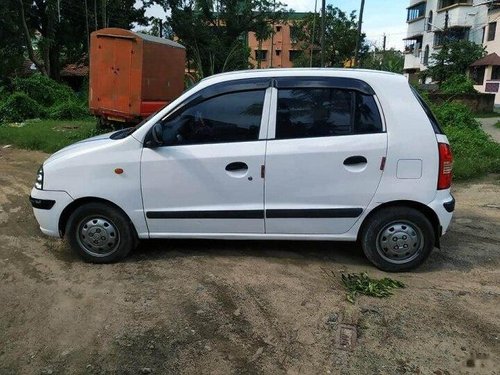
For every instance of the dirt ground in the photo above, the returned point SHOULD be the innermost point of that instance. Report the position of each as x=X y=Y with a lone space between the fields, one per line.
x=211 y=307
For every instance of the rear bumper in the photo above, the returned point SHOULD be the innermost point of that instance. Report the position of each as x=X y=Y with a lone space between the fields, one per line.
x=47 y=207
x=444 y=206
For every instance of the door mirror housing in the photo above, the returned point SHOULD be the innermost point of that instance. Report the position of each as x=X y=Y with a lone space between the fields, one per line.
x=155 y=136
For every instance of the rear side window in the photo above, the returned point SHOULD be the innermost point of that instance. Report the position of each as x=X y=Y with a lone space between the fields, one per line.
x=434 y=122
x=325 y=112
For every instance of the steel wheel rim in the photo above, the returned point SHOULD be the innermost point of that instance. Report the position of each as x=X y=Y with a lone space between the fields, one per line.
x=98 y=236
x=400 y=242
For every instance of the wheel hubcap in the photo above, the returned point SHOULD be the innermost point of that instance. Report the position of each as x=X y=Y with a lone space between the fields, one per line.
x=98 y=236
x=399 y=242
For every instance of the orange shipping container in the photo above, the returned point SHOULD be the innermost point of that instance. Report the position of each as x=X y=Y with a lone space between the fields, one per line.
x=132 y=75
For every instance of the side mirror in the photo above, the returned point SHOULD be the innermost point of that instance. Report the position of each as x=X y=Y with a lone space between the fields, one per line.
x=156 y=136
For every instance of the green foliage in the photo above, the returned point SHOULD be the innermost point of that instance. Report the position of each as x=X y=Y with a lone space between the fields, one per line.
x=497 y=125
x=44 y=90
x=475 y=153
x=47 y=135
x=357 y=284
x=69 y=110
x=458 y=84
x=390 y=61
x=455 y=114
x=340 y=38
x=454 y=58
x=215 y=34
x=18 y=107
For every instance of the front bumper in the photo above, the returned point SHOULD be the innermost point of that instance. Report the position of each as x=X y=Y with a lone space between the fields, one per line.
x=47 y=207
x=444 y=206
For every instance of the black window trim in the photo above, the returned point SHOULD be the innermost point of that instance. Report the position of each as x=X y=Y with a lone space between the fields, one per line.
x=432 y=119
x=323 y=82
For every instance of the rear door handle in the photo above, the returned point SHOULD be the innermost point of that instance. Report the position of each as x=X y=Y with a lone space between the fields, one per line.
x=236 y=166
x=353 y=160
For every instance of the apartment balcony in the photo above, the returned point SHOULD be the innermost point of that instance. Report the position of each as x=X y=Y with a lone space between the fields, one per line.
x=444 y=5
x=413 y=60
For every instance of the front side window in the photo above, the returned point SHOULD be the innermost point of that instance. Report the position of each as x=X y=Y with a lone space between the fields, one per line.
x=233 y=117
x=325 y=112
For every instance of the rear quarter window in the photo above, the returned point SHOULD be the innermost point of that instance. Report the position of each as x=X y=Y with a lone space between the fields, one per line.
x=432 y=119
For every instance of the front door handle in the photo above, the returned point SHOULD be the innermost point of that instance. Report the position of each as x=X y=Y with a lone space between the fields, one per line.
x=353 y=160
x=236 y=166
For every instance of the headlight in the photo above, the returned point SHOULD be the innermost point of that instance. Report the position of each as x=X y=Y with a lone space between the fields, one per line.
x=39 y=179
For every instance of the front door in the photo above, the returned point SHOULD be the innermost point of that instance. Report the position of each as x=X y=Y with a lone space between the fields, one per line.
x=324 y=164
x=206 y=178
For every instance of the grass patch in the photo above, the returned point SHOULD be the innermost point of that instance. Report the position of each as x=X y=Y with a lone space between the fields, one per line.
x=497 y=125
x=46 y=135
x=360 y=283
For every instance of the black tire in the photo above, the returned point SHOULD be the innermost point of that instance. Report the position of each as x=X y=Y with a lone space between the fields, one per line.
x=397 y=239
x=100 y=233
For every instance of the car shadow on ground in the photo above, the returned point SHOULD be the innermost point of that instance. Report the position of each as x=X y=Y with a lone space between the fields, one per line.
x=343 y=253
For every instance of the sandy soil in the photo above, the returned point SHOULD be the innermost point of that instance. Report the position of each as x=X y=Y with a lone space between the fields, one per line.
x=210 y=307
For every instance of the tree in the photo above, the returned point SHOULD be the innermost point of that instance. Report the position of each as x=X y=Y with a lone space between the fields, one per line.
x=55 y=32
x=11 y=39
x=340 y=38
x=454 y=58
x=391 y=60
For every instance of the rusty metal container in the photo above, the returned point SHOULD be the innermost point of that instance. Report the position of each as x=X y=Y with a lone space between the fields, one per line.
x=133 y=75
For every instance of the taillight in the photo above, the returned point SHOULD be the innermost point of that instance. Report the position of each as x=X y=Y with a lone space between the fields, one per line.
x=445 y=166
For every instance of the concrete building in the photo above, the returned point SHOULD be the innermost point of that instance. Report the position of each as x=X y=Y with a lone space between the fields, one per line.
x=486 y=71
x=427 y=20
x=281 y=49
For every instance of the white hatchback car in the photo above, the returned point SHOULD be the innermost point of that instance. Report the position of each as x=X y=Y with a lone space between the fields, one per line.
x=309 y=154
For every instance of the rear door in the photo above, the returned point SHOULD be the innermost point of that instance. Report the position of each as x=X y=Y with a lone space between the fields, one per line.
x=323 y=158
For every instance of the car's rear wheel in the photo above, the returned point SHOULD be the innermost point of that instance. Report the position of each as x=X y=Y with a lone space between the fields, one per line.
x=100 y=233
x=397 y=238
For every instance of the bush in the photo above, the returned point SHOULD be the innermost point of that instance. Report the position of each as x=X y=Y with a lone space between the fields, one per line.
x=19 y=107
x=455 y=114
x=458 y=84
x=44 y=90
x=475 y=153
x=68 y=111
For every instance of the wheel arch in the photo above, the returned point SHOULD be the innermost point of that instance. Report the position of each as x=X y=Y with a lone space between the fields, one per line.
x=70 y=208
x=424 y=209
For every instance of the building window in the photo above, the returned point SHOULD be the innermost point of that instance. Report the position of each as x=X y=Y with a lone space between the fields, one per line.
x=449 y=3
x=426 y=55
x=294 y=34
x=413 y=44
x=261 y=55
x=294 y=54
x=278 y=29
x=495 y=73
x=416 y=11
x=453 y=34
x=429 y=21
x=278 y=52
x=484 y=34
x=477 y=74
x=492 y=30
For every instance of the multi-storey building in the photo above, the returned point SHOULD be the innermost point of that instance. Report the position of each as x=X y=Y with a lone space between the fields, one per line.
x=486 y=71
x=429 y=21
x=281 y=49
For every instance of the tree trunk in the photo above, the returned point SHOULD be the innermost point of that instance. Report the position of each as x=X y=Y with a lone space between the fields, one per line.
x=29 y=45
x=259 y=54
x=103 y=4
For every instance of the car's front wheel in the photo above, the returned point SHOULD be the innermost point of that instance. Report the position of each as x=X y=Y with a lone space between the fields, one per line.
x=100 y=233
x=397 y=238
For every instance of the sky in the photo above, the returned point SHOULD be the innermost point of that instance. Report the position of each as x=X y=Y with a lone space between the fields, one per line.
x=380 y=16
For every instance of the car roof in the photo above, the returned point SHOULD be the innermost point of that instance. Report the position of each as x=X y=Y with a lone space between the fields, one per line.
x=362 y=74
